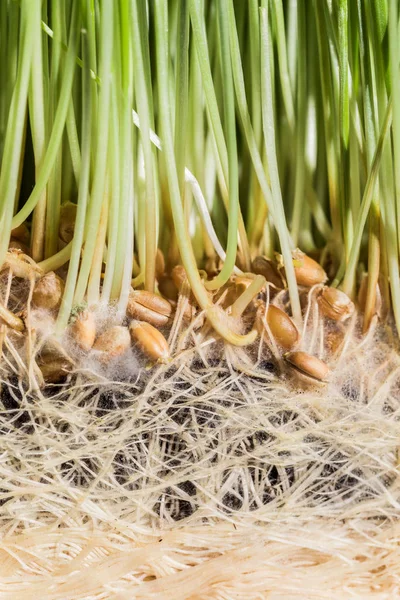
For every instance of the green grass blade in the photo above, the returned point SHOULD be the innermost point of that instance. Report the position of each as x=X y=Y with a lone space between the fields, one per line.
x=269 y=137
x=58 y=124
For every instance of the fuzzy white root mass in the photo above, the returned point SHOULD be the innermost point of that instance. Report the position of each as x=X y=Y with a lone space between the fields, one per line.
x=212 y=477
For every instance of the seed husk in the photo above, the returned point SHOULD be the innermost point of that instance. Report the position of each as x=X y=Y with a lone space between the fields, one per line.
x=282 y=328
x=168 y=288
x=307 y=271
x=213 y=266
x=83 y=330
x=264 y=266
x=55 y=370
x=21 y=233
x=146 y=306
x=48 y=291
x=54 y=362
x=307 y=365
x=112 y=343
x=243 y=281
x=67 y=221
x=16 y=244
x=178 y=275
x=335 y=304
x=150 y=340
x=190 y=313
x=234 y=288
x=52 y=348
x=232 y=293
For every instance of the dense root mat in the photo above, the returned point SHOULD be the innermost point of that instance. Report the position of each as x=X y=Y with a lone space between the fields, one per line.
x=308 y=560
x=214 y=476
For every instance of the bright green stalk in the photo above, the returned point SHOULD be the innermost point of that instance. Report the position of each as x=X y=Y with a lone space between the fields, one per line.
x=392 y=196
x=389 y=224
x=58 y=124
x=181 y=89
x=58 y=12
x=255 y=227
x=213 y=313
x=140 y=223
x=92 y=28
x=71 y=152
x=354 y=151
x=146 y=50
x=301 y=116
x=370 y=87
x=230 y=124
x=355 y=193
x=313 y=214
x=394 y=56
x=378 y=18
x=128 y=264
x=114 y=205
x=57 y=260
x=284 y=77
x=344 y=124
x=269 y=137
x=172 y=175
x=37 y=116
x=244 y=113
x=249 y=134
x=73 y=141
x=330 y=122
x=390 y=236
x=196 y=150
x=335 y=51
x=317 y=211
x=15 y=127
x=292 y=41
x=115 y=263
x=181 y=122
x=144 y=116
x=93 y=287
x=99 y=177
x=83 y=192
x=393 y=260
x=212 y=106
x=349 y=279
x=9 y=23
x=3 y=59
x=344 y=113
x=13 y=24
x=125 y=223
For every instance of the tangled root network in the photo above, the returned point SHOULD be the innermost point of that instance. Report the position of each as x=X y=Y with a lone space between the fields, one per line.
x=212 y=477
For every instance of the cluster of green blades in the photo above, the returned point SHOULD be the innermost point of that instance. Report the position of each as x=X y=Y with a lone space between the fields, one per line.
x=209 y=129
